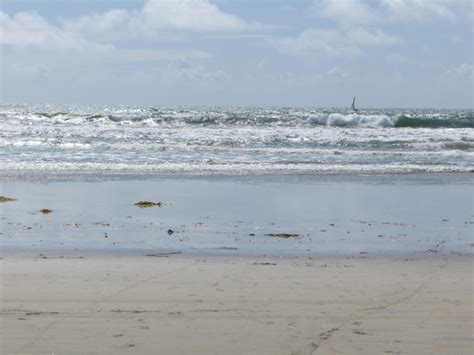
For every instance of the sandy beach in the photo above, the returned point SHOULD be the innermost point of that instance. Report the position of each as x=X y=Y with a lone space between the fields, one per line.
x=210 y=177
x=218 y=305
x=238 y=266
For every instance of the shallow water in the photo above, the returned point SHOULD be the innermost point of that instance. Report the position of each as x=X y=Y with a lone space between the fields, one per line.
x=233 y=216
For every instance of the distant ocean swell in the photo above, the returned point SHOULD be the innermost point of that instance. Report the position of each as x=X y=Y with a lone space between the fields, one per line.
x=331 y=119
x=232 y=141
x=256 y=117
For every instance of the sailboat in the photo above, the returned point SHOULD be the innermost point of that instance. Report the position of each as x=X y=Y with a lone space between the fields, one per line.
x=353 y=108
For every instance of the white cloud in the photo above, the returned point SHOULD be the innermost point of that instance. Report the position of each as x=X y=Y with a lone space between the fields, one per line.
x=320 y=41
x=421 y=10
x=464 y=70
x=187 y=70
x=345 y=11
x=163 y=18
x=153 y=55
x=189 y=15
x=352 y=12
x=336 y=72
x=28 y=29
x=362 y=36
x=343 y=42
x=156 y=15
x=107 y=21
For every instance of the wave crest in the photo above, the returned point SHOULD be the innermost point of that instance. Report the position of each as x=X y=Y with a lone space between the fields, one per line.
x=352 y=120
x=238 y=117
x=129 y=118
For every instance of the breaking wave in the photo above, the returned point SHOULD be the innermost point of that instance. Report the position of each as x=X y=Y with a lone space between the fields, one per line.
x=117 y=118
x=352 y=120
x=238 y=117
x=465 y=120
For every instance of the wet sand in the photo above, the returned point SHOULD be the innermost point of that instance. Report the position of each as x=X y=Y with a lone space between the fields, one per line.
x=236 y=305
x=351 y=265
x=335 y=215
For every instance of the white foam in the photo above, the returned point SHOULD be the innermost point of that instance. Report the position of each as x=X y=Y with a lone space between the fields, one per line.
x=228 y=169
x=352 y=120
x=224 y=140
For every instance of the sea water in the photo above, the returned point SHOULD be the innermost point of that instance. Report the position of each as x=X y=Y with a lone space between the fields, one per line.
x=74 y=141
x=371 y=181
x=240 y=216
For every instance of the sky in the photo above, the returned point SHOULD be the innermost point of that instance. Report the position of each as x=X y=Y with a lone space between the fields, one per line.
x=315 y=53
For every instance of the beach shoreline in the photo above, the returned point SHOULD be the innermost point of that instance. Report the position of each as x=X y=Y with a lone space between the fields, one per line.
x=241 y=216
x=237 y=266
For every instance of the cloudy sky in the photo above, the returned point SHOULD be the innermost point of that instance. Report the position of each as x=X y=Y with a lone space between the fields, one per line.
x=390 y=53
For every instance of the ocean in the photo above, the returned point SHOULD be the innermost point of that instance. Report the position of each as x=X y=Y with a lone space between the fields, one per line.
x=77 y=141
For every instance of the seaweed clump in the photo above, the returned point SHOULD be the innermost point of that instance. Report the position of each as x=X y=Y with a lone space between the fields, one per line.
x=46 y=211
x=146 y=204
x=282 y=235
x=6 y=199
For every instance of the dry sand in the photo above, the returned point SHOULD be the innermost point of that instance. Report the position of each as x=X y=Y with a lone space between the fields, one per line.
x=184 y=305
